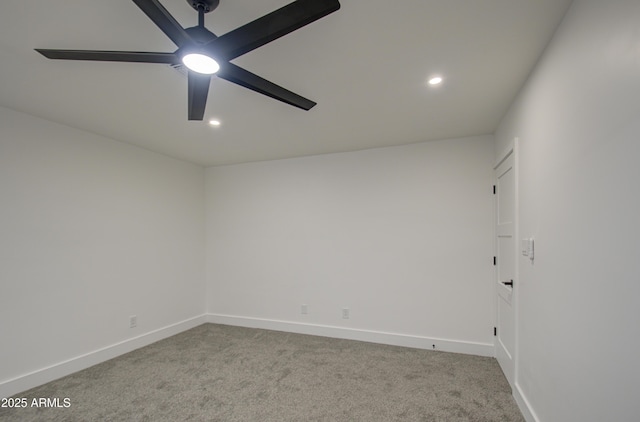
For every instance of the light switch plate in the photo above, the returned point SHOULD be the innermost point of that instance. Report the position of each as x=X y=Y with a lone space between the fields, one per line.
x=526 y=246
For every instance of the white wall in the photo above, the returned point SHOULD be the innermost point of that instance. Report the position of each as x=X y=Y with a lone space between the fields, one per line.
x=578 y=124
x=402 y=236
x=91 y=232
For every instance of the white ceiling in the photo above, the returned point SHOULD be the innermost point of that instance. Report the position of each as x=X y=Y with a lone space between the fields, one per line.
x=366 y=66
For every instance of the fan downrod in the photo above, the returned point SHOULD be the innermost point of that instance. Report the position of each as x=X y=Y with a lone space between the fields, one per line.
x=205 y=5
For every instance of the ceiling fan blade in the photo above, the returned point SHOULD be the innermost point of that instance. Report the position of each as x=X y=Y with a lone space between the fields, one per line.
x=270 y=27
x=198 y=91
x=161 y=17
x=110 y=56
x=238 y=75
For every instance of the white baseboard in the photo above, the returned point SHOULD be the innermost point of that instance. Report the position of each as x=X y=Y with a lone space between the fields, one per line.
x=41 y=376
x=524 y=405
x=394 y=339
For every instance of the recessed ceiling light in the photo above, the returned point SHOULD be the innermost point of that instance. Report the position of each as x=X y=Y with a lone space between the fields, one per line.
x=436 y=80
x=214 y=122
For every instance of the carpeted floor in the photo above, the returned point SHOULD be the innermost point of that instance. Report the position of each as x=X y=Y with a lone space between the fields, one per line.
x=224 y=373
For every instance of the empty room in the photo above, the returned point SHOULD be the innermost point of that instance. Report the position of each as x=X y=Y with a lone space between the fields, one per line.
x=353 y=210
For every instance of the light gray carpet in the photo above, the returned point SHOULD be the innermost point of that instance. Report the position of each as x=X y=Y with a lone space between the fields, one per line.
x=223 y=373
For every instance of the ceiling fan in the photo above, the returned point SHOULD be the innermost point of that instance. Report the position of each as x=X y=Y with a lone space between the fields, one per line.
x=205 y=54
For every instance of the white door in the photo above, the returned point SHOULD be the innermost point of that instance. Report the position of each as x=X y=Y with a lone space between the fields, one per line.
x=505 y=265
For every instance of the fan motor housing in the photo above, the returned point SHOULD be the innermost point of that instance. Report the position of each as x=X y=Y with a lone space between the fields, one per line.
x=200 y=34
x=205 y=5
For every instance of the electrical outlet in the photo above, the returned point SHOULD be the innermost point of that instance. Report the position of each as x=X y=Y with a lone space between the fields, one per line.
x=345 y=313
x=133 y=321
x=304 y=309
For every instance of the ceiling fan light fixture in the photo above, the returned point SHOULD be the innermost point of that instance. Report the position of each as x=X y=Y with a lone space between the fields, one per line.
x=198 y=48
x=200 y=63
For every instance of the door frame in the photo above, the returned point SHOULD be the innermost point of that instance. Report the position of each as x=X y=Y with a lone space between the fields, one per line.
x=512 y=148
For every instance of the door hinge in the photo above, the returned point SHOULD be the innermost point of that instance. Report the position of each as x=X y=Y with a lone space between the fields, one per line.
x=494 y=189
x=495 y=261
x=495 y=331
